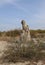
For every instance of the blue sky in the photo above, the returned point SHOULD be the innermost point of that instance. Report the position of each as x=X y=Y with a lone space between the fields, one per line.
x=13 y=11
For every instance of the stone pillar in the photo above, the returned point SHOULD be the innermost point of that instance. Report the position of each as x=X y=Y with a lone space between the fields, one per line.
x=25 y=36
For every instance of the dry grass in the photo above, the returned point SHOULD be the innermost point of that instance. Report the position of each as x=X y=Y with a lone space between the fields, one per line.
x=21 y=51
x=12 y=52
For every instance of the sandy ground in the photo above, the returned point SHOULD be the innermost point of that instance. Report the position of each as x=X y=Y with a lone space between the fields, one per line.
x=3 y=45
x=25 y=63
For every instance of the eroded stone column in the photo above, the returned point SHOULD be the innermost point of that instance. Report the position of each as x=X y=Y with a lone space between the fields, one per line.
x=25 y=32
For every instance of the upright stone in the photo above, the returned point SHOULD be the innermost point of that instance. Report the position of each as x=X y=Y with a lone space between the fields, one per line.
x=25 y=36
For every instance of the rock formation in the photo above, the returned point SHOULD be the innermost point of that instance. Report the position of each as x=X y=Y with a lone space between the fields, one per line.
x=25 y=35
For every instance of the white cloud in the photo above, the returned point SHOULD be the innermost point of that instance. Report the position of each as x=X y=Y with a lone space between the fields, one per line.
x=3 y=2
x=14 y=3
x=40 y=16
x=41 y=11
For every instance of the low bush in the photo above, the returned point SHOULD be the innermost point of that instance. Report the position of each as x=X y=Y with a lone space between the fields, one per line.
x=17 y=51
